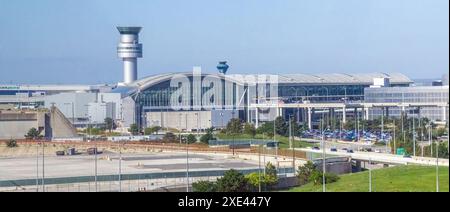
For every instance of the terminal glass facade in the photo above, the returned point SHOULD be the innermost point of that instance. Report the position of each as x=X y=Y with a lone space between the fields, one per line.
x=426 y=94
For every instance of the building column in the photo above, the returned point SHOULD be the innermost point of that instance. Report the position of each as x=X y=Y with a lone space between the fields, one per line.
x=309 y=118
x=344 y=115
x=366 y=113
x=444 y=114
x=257 y=118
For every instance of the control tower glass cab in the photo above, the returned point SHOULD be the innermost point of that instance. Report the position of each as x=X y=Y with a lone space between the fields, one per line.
x=129 y=49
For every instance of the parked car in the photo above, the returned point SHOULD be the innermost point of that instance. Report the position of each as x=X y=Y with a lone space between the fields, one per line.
x=350 y=151
x=333 y=149
x=316 y=148
x=60 y=153
x=93 y=151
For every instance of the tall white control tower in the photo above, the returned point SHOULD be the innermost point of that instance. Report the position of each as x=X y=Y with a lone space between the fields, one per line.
x=129 y=49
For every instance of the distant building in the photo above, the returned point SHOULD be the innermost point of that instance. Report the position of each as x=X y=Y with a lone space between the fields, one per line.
x=421 y=94
x=15 y=124
x=445 y=80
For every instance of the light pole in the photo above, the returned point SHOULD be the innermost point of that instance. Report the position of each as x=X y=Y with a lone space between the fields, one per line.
x=234 y=141
x=414 y=132
x=370 y=175
x=430 y=137
x=43 y=166
x=179 y=129
x=120 y=166
x=274 y=138
x=291 y=142
x=198 y=125
x=37 y=166
x=324 y=188
x=259 y=168
x=187 y=167
x=437 y=167
x=395 y=139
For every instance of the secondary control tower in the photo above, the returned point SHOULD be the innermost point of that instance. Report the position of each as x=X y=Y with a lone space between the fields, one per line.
x=129 y=49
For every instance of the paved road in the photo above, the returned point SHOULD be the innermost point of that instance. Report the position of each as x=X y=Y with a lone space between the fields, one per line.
x=108 y=164
x=382 y=157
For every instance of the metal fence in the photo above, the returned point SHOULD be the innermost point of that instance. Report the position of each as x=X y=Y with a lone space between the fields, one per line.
x=125 y=182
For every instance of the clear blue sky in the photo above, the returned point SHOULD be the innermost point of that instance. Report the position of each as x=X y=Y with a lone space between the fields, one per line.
x=54 y=41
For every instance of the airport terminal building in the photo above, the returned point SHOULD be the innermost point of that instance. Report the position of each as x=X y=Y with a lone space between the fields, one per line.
x=194 y=101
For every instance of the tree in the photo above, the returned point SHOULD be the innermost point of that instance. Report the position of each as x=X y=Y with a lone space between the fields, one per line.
x=232 y=181
x=170 y=137
x=152 y=130
x=204 y=186
x=134 y=129
x=317 y=178
x=268 y=179
x=304 y=173
x=191 y=139
x=250 y=129
x=281 y=126
x=11 y=143
x=33 y=133
x=266 y=128
x=109 y=124
x=234 y=126
x=271 y=170
x=208 y=136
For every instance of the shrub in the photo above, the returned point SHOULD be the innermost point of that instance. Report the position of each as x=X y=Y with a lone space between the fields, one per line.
x=208 y=136
x=191 y=139
x=204 y=186
x=250 y=129
x=232 y=181
x=134 y=129
x=11 y=143
x=304 y=173
x=170 y=137
x=234 y=126
x=33 y=133
x=317 y=178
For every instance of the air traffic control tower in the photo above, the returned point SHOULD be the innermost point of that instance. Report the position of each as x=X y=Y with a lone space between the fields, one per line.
x=129 y=49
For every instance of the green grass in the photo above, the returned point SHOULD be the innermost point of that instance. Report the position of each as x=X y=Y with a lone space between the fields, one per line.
x=284 y=141
x=395 y=179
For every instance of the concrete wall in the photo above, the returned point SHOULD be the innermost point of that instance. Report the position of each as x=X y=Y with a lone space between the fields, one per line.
x=60 y=125
x=15 y=124
x=337 y=166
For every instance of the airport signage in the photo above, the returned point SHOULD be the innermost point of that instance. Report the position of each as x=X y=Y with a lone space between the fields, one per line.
x=7 y=87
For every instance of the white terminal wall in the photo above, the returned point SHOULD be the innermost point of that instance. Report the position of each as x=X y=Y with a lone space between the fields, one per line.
x=190 y=120
x=78 y=104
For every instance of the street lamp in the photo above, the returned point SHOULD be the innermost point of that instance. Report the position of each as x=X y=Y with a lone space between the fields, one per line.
x=187 y=167
x=233 y=134
x=323 y=158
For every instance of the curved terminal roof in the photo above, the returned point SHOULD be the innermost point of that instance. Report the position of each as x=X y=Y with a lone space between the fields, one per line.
x=366 y=79
x=283 y=79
